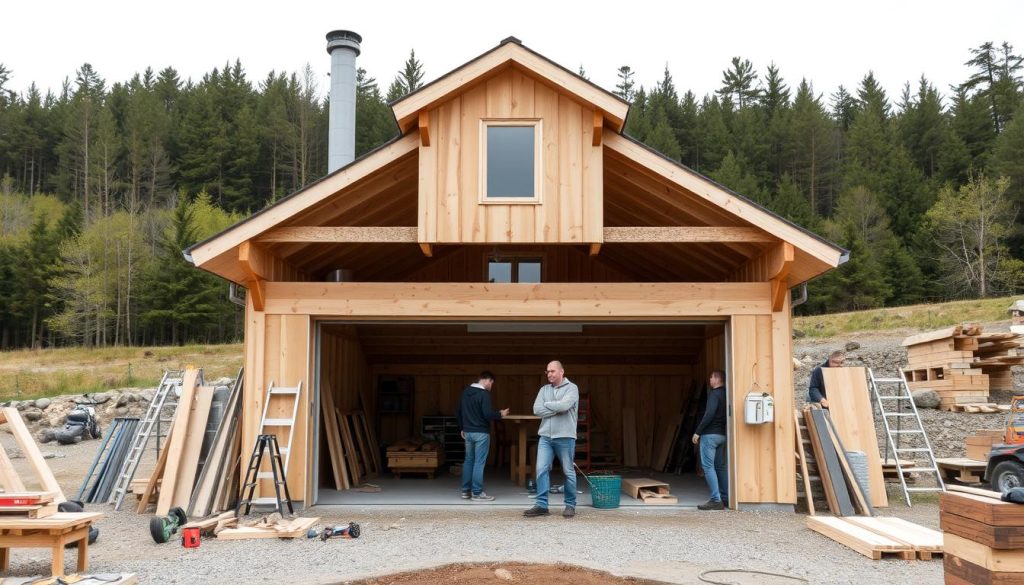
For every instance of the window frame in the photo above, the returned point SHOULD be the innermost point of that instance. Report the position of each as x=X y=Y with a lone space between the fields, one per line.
x=515 y=259
x=538 y=161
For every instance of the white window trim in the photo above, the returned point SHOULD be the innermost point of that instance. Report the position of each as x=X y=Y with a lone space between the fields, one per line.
x=538 y=159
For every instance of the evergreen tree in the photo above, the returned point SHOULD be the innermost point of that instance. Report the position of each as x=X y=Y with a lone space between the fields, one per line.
x=738 y=83
x=408 y=80
x=624 y=89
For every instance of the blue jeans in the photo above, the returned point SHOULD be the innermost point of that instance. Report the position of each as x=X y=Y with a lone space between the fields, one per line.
x=477 y=445
x=547 y=448
x=712 y=459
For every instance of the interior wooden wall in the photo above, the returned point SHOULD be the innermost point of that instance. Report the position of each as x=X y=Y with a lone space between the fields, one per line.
x=559 y=264
x=571 y=208
x=764 y=467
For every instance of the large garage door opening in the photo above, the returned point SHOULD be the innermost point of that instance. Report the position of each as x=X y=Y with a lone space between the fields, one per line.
x=643 y=389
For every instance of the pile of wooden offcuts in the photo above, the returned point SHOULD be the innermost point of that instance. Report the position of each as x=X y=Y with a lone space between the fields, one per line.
x=962 y=364
x=179 y=479
x=351 y=444
x=984 y=537
x=822 y=444
x=415 y=455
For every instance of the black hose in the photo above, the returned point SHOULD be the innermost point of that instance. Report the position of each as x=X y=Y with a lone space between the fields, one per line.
x=747 y=571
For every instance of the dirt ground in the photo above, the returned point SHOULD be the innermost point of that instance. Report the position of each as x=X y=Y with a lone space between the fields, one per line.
x=502 y=573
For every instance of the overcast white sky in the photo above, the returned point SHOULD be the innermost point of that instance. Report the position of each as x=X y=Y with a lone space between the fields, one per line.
x=830 y=43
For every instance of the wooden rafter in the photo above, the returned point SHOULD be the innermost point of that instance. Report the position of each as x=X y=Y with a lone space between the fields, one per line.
x=782 y=262
x=256 y=265
x=685 y=234
x=424 y=124
x=598 y=128
x=341 y=234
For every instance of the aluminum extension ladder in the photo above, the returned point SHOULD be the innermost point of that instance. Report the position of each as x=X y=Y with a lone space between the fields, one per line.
x=896 y=393
x=170 y=381
x=268 y=423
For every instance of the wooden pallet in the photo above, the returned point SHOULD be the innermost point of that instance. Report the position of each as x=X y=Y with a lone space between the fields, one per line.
x=925 y=542
x=961 y=469
x=868 y=543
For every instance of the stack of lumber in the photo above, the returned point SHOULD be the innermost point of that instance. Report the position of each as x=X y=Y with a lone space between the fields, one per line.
x=27 y=504
x=351 y=444
x=199 y=485
x=415 y=456
x=979 y=444
x=648 y=491
x=271 y=526
x=810 y=492
x=984 y=537
x=962 y=364
x=877 y=536
x=106 y=467
x=842 y=490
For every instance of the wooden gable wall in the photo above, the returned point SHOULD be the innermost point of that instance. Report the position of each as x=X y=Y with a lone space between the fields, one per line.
x=571 y=206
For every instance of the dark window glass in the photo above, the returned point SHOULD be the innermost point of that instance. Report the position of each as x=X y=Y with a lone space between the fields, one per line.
x=510 y=171
x=529 y=271
x=499 y=272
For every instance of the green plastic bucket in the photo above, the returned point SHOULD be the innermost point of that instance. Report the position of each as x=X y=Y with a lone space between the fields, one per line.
x=605 y=490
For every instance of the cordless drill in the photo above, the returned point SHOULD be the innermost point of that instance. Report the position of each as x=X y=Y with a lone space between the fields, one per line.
x=350 y=531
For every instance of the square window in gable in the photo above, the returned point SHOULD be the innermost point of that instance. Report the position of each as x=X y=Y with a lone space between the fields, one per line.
x=510 y=168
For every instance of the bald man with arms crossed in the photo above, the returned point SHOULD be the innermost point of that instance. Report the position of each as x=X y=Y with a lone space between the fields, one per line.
x=557 y=405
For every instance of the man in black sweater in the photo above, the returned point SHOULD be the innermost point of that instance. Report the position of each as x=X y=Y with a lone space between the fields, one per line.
x=474 y=418
x=710 y=435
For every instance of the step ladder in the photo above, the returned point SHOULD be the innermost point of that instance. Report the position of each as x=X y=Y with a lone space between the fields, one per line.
x=170 y=381
x=897 y=409
x=268 y=426
x=253 y=475
x=98 y=473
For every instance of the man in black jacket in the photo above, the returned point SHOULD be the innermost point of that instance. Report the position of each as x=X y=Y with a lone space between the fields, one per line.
x=710 y=435
x=474 y=418
x=816 y=385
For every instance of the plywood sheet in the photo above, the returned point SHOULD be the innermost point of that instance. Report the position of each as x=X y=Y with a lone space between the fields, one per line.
x=850 y=409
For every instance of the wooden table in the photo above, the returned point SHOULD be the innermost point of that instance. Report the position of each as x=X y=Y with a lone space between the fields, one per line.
x=519 y=463
x=51 y=532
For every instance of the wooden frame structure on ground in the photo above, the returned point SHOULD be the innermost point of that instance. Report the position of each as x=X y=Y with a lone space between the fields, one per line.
x=624 y=235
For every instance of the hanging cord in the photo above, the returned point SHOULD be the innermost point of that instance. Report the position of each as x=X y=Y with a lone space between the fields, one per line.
x=748 y=572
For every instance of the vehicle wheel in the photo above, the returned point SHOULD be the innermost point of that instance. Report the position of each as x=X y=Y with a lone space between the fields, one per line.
x=1007 y=475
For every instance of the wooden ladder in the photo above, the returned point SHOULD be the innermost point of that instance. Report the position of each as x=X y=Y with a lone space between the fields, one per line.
x=272 y=426
x=807 y=467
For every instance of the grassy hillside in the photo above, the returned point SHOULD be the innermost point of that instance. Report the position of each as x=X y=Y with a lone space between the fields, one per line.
x=32 y=374
x=919 y=317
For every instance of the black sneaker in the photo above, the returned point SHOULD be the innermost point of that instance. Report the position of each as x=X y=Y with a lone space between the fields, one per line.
x=466 y=495
x=711 y=505
x=568 y=512
x=536 y=511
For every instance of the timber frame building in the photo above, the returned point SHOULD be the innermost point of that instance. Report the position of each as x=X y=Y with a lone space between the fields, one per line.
x=638 y=273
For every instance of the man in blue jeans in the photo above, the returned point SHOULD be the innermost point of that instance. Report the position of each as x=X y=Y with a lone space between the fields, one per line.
x=557 y=405
x=474 y=419
x=710 y=435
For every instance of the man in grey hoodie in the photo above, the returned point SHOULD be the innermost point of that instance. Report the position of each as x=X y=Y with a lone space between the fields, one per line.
x=557 y=405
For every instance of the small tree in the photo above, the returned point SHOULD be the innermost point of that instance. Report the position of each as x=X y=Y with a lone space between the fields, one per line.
x=969 y=227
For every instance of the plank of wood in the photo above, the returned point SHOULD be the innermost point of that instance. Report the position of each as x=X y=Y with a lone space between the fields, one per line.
x=1011 y=561
x=802 y=457
x=361 y=445
x=859 y=539
x=59 y=521
x=629 y=437
x=961 y=572
x=291 y=529
x=919 y=537
x=664 y=447
x=189 y=460
x=930 y=336
x=355 y=472
x=372 y=440
x=333 y=436
x=200 y=501
x=1001 y=537
x=30 y=451
x=852 y=485
x=852 y=415
x=175 y=444
x=976 y=491
x=38 y=511
x=828 y=464
x=982 y=508
x=155 y=479
x=9 y=478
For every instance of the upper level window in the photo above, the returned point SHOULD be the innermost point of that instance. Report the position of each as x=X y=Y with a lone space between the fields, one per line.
x=511 y=159
x=509 y=270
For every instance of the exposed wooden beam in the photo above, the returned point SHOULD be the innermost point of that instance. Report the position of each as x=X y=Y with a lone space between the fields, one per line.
x=595 y=248
x=686 y=234
x=598 y=127
x=781 y=259
x=428 y=250
x=425 y=128
x=341 y=234
x=519 y=301
x=256 y=266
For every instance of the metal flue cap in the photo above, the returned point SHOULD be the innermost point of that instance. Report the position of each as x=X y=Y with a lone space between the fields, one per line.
x=343 y=38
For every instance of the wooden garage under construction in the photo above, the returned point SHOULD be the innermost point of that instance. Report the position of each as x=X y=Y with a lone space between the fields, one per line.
x=512 y=223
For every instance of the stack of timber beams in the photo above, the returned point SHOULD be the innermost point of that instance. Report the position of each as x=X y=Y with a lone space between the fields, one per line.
x=351 y=444
x=962 y=364
x=984 y=537
x=199 y=487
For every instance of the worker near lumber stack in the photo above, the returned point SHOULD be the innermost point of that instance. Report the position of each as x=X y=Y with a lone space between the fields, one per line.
x=710 y=435
x=557 y=405
x=474 y=419
x=816 y=387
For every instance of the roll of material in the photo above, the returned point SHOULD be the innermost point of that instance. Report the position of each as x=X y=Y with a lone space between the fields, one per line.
x=859 y=465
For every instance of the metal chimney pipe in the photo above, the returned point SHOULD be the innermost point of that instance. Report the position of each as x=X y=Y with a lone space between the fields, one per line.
x=343 y=47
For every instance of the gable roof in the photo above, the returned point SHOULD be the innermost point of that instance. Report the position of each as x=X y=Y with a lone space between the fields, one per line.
x=510 y=51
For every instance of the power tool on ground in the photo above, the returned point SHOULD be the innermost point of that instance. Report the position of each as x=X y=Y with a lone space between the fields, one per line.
x=350 y=531
x=162 y=527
